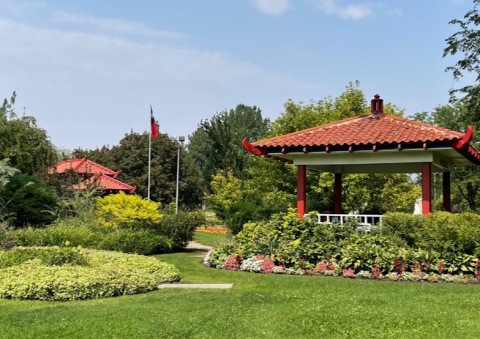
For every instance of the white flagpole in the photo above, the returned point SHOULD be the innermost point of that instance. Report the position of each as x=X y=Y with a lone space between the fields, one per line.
x=149 y=153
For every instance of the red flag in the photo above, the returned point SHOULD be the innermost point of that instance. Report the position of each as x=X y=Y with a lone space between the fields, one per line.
x=153 y=124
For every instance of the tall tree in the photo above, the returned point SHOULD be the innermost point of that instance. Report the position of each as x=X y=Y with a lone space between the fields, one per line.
x=217 y=143
x=466 y=42
x=26 y=145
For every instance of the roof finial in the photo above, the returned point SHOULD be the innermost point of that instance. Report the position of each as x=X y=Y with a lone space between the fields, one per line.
x=376 y=106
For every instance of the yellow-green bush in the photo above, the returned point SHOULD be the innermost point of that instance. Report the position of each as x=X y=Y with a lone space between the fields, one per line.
x=106 y=274
x=128 y=211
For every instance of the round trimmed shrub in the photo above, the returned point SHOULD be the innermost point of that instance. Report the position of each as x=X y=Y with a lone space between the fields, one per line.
x=102 y=274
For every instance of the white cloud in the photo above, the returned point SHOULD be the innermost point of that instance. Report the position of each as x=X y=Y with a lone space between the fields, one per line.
x=89 y=90
x=271 y=7
x=355 y=12
x=20 y=8
x=115 y=25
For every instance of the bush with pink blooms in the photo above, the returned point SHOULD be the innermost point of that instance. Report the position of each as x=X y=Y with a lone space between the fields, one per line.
x=287 y=245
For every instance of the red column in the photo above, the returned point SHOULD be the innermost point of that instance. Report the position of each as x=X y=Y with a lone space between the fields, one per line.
x=337 y=194
x=446 y=192
x=301 y=190
x=426 y=187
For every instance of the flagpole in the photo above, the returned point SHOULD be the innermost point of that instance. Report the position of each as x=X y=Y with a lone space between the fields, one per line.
x=149 y=155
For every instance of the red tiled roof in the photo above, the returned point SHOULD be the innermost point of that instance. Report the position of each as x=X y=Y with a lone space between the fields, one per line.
x=369 y=129
x=104 y=182
x=374 y=130
x=82 y=166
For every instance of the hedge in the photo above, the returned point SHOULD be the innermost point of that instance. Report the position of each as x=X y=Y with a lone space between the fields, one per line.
x=104 y=274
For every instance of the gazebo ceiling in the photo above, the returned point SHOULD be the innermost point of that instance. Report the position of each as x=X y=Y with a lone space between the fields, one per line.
x=375 y=142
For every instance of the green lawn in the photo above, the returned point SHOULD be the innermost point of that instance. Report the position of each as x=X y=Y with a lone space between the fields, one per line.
x=209 y=239
x=259 y=306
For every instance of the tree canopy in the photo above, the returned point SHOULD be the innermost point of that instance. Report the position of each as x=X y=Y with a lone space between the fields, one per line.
x=26 y=145
x=466 y=43
x=130 y=157
x=217 y=143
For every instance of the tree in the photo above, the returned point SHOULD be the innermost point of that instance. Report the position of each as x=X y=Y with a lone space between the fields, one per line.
x=130 y=158
x=28 y=201
x=227 y=193
x=26 y=145
x=217 y=142
x=467 y=43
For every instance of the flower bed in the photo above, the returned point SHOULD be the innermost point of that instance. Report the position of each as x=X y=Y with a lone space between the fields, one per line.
x=212 y=230
x=262 y=264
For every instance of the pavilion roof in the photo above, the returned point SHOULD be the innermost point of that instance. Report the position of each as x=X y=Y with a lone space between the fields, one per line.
x=370 y=131
x=82 y=166
x=104 y=182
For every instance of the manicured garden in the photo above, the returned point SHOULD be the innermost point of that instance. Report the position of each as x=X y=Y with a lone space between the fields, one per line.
x=258 y=306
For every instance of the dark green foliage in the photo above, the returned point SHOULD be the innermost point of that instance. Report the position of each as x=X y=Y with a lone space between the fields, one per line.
x=140 y=242
x=250 y=209
x=26 y=145
x=180 y=227
x=7 y=240
x=130 y=157
x=447 y=234
x=28 y=202
x=404 y=229
x=49 y=256
x=217 y=143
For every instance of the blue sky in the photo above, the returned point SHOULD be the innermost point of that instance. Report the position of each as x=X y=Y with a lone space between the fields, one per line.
x=88 y=70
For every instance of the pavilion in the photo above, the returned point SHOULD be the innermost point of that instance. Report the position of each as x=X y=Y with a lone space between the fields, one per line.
x=93 y=174
x=372 y=143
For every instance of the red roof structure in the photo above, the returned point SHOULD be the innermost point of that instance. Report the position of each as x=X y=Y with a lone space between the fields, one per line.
x=95 y=175
x=374 y=132
x=372 y=143
x=81 y=166
x=104 y=182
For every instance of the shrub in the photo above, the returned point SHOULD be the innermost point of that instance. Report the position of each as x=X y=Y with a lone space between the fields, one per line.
x=404 y=229
x=57 y=235
x=106 y=274
x=128 y=211
x=7 y=240
x=445 y=233
x=28 y=199
x=180 y=228
x=48 y=256
x=129 y=241
x=440 y=243
x=141 y=242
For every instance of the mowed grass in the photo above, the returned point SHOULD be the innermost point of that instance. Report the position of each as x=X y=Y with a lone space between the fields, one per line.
x=258 y=306
x=209 y=239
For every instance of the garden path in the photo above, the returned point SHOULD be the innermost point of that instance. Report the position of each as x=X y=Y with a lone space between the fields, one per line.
x=197 y=246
